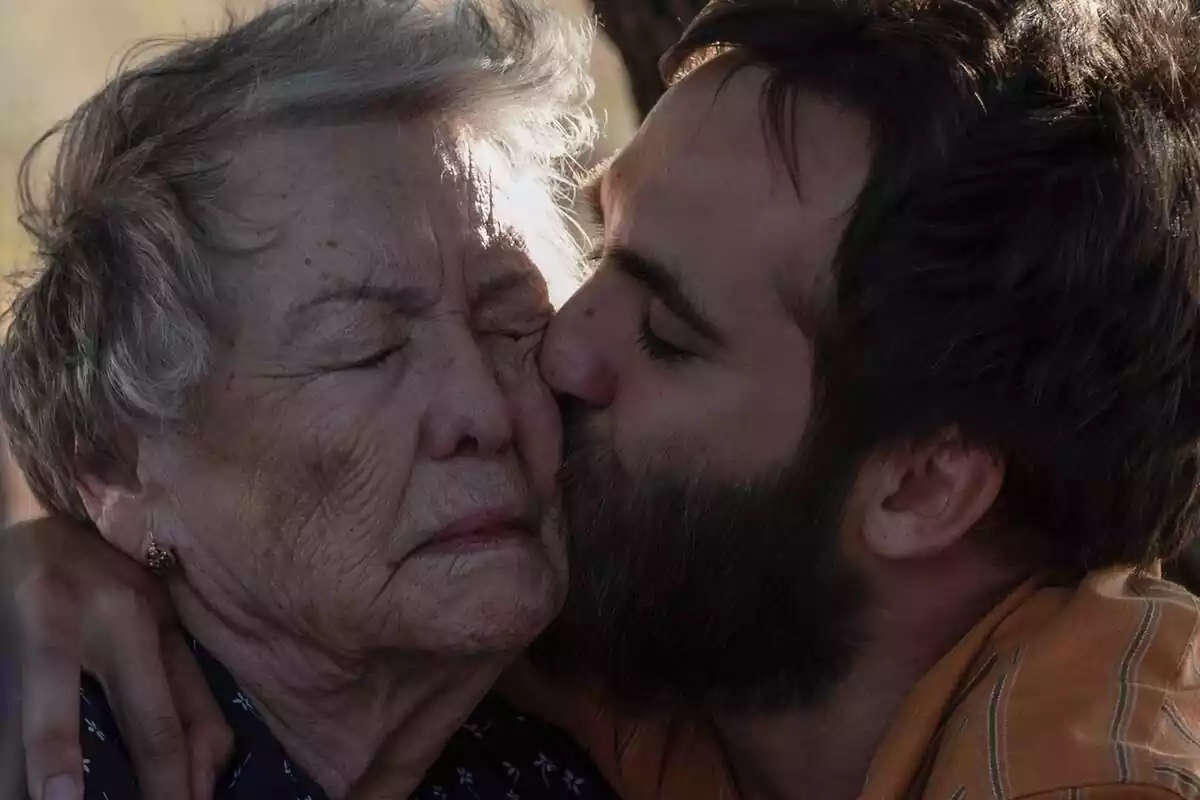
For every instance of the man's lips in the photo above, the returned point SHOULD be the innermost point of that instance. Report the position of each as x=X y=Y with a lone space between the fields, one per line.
x=480 y=531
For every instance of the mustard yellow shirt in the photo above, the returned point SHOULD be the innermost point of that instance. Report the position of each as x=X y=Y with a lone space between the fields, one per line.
x=1090 y=691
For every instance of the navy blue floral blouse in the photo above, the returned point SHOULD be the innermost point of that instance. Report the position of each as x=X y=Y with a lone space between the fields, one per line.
x=499 y=754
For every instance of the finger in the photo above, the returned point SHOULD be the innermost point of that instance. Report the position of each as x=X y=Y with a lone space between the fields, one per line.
x=134 y=675
x=48 y=635
x=210 y=740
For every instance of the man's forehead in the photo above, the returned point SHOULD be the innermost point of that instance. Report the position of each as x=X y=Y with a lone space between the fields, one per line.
x=715 y=122
x=704 y=188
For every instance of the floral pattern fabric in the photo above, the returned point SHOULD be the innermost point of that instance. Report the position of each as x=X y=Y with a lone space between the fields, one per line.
x=498 y=754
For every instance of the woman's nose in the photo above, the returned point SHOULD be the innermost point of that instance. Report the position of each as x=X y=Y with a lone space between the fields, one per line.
x=574 y=360
x=471 y=415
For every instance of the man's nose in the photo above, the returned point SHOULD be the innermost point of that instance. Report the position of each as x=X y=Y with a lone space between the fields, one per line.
x=574 y=358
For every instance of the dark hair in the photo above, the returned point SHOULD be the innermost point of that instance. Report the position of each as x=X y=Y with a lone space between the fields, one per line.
x=1022 y=265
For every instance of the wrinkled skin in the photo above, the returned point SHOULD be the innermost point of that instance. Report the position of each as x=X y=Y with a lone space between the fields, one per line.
x=381 y=387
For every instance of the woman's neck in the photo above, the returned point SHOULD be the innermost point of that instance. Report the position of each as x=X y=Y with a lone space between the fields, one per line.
x=378 y=720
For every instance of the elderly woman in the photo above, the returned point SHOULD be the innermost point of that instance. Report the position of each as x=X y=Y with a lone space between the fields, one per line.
x=281 y=351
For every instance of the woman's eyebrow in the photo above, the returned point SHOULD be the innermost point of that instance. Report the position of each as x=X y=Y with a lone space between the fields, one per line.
x=591 y=189
x=405 y=300
x=494 y=287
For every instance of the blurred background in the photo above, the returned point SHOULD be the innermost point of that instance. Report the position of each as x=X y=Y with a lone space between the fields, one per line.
x=55 y=53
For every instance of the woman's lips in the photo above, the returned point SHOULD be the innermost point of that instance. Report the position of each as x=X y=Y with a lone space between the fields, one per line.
x=479 y=532
x=479 y=539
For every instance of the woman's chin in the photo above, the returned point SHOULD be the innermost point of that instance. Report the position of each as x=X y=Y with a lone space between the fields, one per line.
x=486 y=602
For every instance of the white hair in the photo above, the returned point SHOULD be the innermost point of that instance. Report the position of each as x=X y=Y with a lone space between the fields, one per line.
x=119 y=326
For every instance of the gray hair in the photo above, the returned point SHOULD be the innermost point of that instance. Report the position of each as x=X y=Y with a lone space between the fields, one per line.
x=119 y=327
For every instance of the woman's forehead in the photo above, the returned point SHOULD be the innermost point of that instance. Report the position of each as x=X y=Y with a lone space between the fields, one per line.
x=373 y=176
x=363 y=204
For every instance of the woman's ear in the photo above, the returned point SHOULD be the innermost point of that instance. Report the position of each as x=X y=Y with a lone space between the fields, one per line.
x=927 y=498
x=114 y=498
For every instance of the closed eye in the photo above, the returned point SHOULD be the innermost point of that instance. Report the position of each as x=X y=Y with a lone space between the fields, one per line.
x=515 y=328
x=659 y=348
x=373 y=361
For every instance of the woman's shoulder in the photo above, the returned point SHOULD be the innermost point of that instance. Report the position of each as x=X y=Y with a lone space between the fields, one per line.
x=500 y=753
x=258 y=770
x=503 y=753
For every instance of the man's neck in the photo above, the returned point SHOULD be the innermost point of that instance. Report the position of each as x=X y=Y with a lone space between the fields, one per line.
x=826 y=751
x=383 y=717
x=820 y=752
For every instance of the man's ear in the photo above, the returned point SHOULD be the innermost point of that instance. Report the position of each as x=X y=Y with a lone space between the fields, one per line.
x=114 y=497
x=924 y=499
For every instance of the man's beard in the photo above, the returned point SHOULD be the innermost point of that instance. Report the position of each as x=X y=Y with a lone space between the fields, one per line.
x=703 y=596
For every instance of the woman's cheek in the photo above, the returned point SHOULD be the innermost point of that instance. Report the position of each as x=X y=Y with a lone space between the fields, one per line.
x=536 y=421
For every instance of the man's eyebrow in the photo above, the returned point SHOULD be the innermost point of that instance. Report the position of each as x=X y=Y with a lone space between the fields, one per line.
x=666 y=287
x=406 y=300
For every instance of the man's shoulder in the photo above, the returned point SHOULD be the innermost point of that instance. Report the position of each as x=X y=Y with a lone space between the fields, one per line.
x=1103 y=691
x=643 y=758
